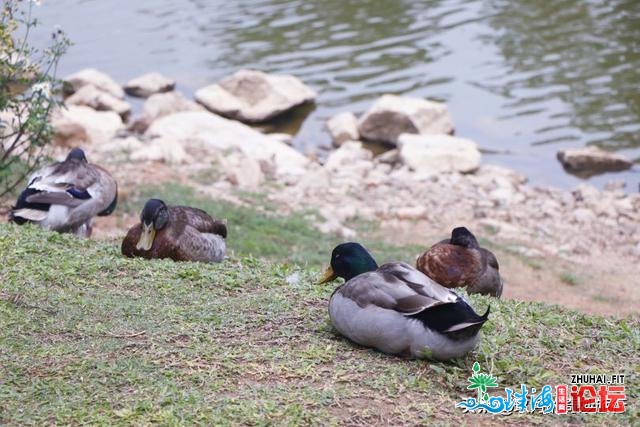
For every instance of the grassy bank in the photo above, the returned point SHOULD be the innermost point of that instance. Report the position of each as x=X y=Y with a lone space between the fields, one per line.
x=256 y=229
x=87 y=336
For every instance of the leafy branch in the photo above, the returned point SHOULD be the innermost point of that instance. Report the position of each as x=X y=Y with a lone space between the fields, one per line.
x=28 y=86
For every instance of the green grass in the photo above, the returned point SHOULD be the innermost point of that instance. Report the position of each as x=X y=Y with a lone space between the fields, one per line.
x=255 y=228
x=89 y=337
x=569 y=278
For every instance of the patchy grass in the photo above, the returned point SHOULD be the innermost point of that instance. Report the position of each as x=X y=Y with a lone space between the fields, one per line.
x=89 y=337
x=569 y=278
x=256 y=229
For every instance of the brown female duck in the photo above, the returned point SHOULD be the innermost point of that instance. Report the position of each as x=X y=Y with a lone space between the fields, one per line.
x=181 y=233
x=460 y=261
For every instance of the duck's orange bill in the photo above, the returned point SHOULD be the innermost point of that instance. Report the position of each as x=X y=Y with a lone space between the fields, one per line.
x=328 y=276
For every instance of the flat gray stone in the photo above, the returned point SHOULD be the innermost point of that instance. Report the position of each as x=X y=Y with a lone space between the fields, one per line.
x=592 y=160
x=147 y=84
x=391 y=115
x=91 y=96
x=91 y=76
x=254 y=96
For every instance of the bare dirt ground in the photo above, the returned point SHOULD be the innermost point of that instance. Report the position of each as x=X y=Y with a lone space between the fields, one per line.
x=605 y=285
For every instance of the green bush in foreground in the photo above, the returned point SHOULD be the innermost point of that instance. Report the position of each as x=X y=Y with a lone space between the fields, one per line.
x=88 y=337
x=27 y=84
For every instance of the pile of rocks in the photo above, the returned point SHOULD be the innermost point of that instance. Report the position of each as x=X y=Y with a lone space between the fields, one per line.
x=352 y=185
x=428 y=175
x=175 y=130
x=418 y=130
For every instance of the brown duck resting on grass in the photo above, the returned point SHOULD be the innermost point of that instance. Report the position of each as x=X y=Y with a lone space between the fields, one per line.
x=460 y=261
x=181 y=233
x=66 y=195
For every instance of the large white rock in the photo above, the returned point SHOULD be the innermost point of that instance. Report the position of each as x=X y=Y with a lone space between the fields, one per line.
x=592 y=160
x=217 y=133
x=160 y=105
x=98 y=127
x=431 y=154
x=70 y=134
x=391 y=115
x=343 y=127
x=126 y=145
x=242 y=171
x=91 y=76
x=254 y=96
x=148 y=84
x=97 y=99
x=348 y=155
x=161 y=149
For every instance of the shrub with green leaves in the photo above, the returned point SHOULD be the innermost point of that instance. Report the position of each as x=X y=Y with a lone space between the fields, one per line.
x=27 y=85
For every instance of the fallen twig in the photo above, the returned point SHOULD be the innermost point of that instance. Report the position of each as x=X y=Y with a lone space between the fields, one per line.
x=132 y=335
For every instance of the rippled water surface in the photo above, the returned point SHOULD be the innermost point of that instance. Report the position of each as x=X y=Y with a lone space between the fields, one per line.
x=523 y=78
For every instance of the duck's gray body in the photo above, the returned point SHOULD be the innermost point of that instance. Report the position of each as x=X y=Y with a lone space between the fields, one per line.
x=388 y=309
x=67 y=195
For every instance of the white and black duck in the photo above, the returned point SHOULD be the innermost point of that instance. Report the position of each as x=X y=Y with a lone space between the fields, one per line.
x=65 y=196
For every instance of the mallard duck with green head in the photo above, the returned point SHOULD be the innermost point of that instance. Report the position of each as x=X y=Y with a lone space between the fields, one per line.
x=66 y=195
x=181 y=233
x=398 y=310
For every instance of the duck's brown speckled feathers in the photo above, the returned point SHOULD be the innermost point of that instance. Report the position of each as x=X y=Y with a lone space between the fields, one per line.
x=196 y=218
x=455 y=264
x=190 y=235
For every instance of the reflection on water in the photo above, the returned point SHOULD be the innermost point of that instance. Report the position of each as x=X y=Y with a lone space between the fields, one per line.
x=585 y=54
x=521 y=77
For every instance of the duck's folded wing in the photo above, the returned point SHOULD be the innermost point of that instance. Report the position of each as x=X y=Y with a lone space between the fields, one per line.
x=195 y=246
x=55 y=198
x=198 y=219
x=420 y=283
x=394 y=287
x=45 y=184
x=66 y=175
x=453 y=265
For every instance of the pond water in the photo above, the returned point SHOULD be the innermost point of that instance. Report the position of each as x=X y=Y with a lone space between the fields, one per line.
x=523 y=78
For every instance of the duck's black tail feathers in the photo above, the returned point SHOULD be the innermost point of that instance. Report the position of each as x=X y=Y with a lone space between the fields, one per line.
x=456 y=320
